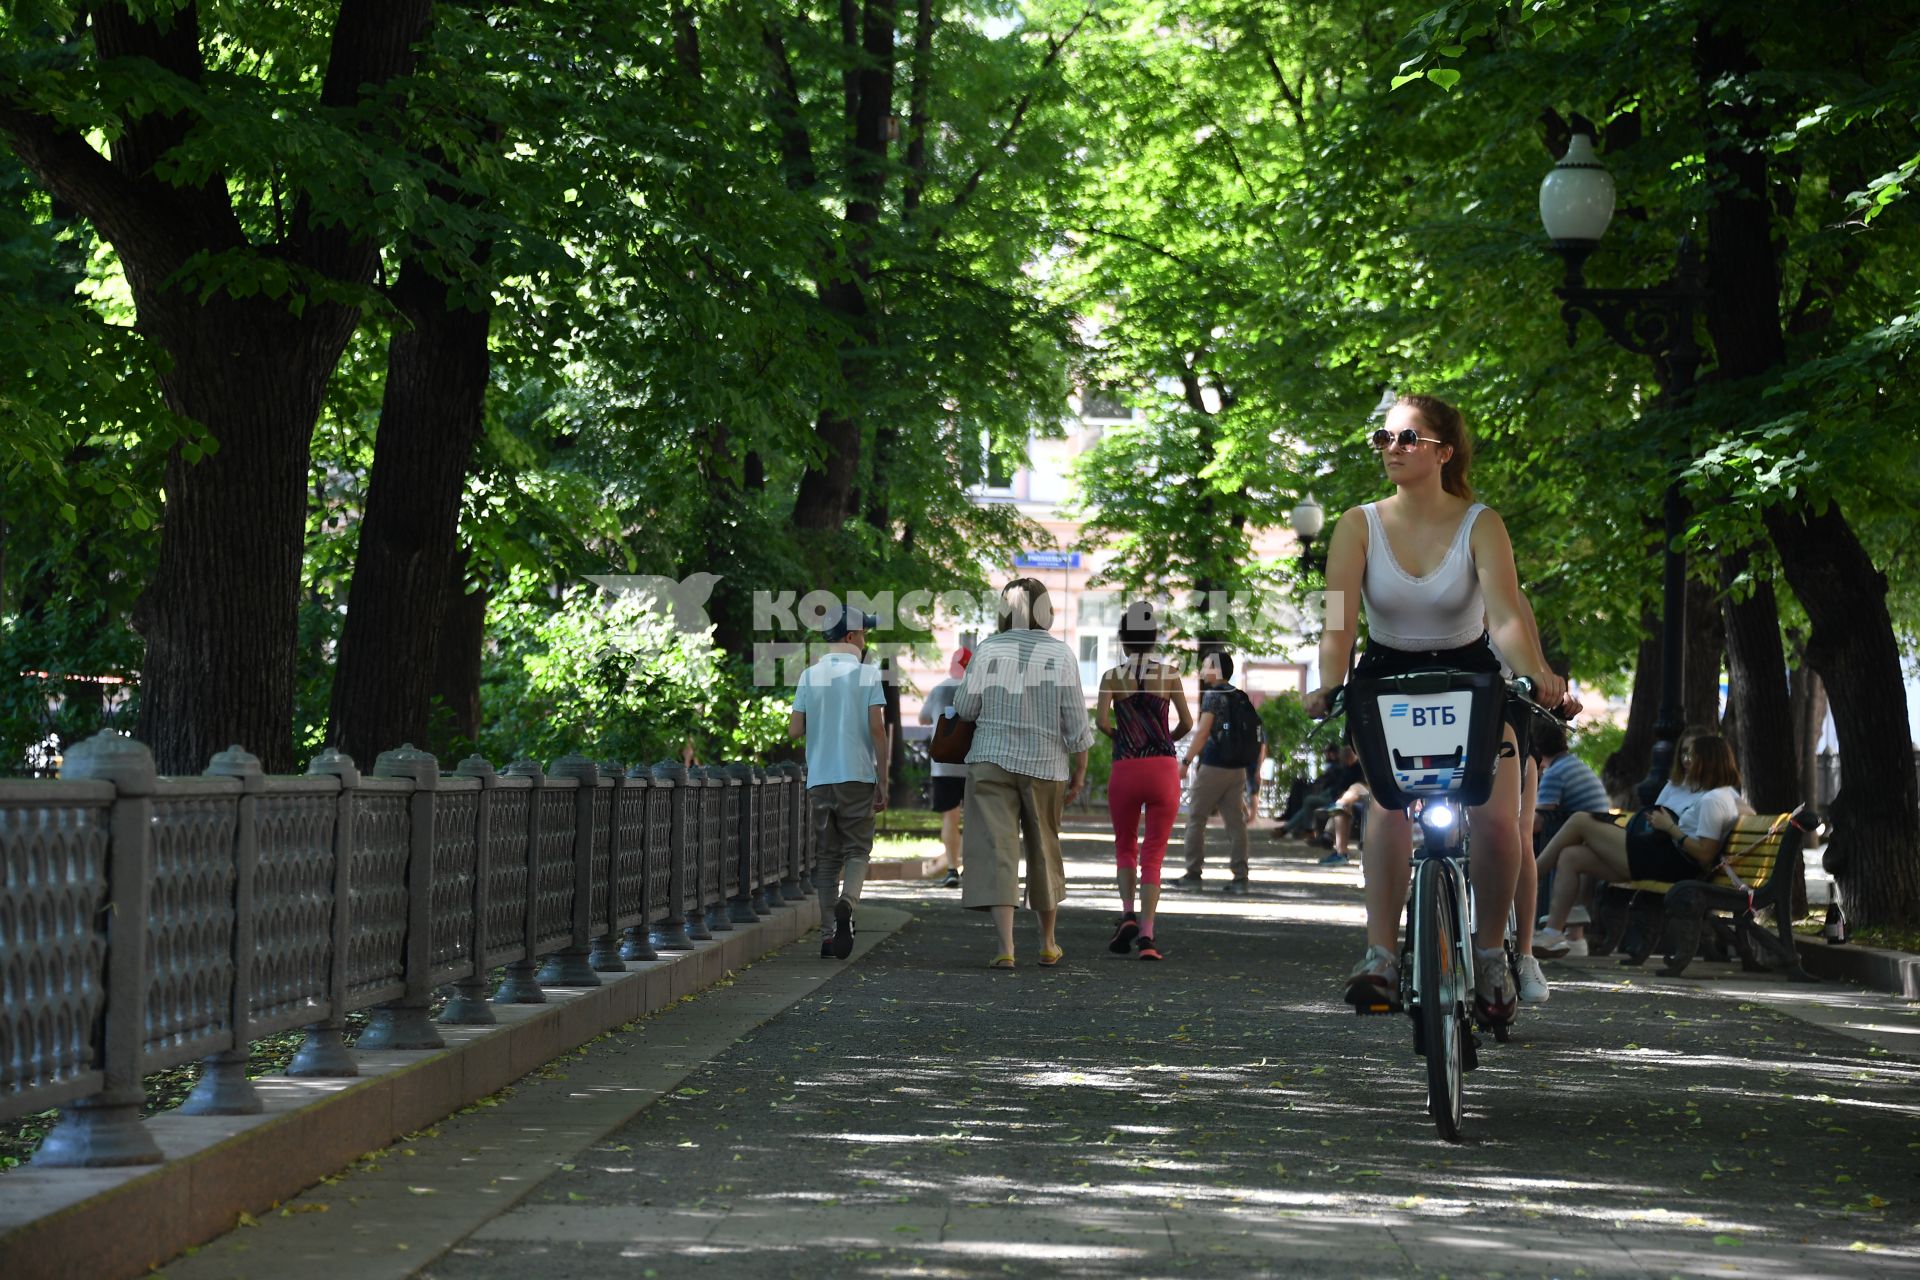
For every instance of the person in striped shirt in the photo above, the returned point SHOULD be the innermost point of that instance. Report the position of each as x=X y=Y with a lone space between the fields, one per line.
x=1027 y=763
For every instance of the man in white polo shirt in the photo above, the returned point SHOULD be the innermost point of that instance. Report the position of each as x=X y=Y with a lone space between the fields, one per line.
x=840 y=709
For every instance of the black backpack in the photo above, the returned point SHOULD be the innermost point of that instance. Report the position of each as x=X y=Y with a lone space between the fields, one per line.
x=1237 y=742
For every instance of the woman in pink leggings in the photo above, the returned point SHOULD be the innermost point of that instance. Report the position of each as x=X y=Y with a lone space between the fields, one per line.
x=1134 y=697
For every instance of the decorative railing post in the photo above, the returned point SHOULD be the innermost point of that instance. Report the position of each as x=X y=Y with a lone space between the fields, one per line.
x=766 y=847
x=672 y=933
x=105 y=1130
x=604 y=815
x=636 y=793
x=468 y=1006
x=792 y=887
x=521 y=984
x=403 y=1023
x=812 y=828
x=741 y=841
x=323 y=1053
x=708 y=787
x=223 y=1088
x=570 y=966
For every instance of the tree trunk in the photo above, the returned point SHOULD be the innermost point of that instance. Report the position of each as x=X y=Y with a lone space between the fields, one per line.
x=437 y=367
x=1809 y=718
x=1700 y=660
x=1627 y=765
x=218 y=615
x=1875 y=849
x=457 y=653
x=1757 y=690
x=826 y=495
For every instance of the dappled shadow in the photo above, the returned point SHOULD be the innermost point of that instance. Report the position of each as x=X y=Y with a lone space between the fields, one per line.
x=1222 y=1114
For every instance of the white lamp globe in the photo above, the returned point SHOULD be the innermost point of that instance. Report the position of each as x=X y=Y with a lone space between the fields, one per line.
x=1576 y=197
x=1308 y=518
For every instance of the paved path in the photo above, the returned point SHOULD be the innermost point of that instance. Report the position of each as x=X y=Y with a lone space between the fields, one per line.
x=1219 y=1114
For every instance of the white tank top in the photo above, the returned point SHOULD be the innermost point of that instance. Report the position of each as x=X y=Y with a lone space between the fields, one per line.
x=1443 y=610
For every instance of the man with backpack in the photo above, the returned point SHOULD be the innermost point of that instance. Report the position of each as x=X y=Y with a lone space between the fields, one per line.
x=1228 y=738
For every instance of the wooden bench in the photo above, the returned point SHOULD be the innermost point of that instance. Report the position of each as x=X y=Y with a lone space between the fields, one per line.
x=1764 y=852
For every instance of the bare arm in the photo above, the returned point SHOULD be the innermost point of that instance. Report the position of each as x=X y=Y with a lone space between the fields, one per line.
x=1185 y=714
x=882 y=753
x=1077 y=770
x=1509 y=616
x=1346 y=567
x=1200 y=734
x=797 y=725
x=1103 y=709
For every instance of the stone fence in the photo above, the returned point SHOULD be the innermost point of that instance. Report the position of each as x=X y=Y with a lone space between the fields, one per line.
x=148 y=921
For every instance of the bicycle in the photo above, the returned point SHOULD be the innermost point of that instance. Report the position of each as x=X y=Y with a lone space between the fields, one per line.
x=1429 y=742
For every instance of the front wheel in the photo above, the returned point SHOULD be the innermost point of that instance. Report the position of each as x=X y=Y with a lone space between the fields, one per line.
x=1441 y=987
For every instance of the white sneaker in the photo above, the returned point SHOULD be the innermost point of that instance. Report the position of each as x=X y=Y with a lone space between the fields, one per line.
x=1575 y=947
x=1493 y=986
x=1533 y=983
x=1551 y=944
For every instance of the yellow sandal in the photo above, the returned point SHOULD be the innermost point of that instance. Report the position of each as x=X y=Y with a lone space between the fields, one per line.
x=1048 y=959
x=1000 y=962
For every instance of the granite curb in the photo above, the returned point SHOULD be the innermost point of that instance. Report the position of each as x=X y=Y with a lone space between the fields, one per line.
x=1895 y=972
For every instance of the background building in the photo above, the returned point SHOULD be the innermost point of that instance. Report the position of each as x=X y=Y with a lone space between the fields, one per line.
x=1086 y=616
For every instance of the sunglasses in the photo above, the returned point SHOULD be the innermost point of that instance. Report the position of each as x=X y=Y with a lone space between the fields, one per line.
x=1406 y=438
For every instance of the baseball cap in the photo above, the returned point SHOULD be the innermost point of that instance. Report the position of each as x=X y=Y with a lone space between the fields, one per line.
x=843 y=620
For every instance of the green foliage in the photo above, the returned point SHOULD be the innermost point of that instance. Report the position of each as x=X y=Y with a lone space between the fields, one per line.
x=1100 y=761
x=1597 y=741
x=1295 y=740
x=1298 y=208
x=610 y=677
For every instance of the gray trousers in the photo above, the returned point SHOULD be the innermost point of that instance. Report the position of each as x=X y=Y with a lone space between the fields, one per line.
x=843 y=835
x=1217 y=787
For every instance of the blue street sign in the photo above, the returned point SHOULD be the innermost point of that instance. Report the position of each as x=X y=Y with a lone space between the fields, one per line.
x=1047 y=560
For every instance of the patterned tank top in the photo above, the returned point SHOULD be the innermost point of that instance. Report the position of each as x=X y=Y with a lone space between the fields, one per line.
x=1140 y=724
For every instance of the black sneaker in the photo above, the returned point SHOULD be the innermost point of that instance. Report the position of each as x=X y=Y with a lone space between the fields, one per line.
x=826 y=948
x=1124 y=934
x=1238 y=885
x=842 y=943
x=1187 y=882
x=952 y=881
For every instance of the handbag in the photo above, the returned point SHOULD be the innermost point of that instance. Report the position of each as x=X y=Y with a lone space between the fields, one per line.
x=952 y=739
x=1643 y=840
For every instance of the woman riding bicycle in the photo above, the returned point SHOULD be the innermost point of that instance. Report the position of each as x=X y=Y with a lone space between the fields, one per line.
x=1434 y=572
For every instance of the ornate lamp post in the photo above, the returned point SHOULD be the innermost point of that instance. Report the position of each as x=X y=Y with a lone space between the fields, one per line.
x=1576 y=204
x=1308 y=518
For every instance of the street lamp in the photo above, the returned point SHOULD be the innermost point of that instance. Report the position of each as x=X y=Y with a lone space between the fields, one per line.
x=1576 y=204
x=1308 y=518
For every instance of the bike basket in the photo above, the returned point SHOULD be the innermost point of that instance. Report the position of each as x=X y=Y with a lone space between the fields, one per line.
x=1427 y=733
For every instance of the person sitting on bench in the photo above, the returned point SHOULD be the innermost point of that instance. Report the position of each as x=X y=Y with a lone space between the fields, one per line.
x=1679 y=838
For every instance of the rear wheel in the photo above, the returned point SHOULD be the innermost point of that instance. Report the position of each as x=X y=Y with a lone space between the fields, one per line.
x=1442 y=1029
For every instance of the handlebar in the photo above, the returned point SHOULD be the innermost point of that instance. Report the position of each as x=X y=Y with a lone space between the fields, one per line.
x=1520 y=689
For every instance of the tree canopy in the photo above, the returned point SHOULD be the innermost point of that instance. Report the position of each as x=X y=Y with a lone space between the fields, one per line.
x=460 y=304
